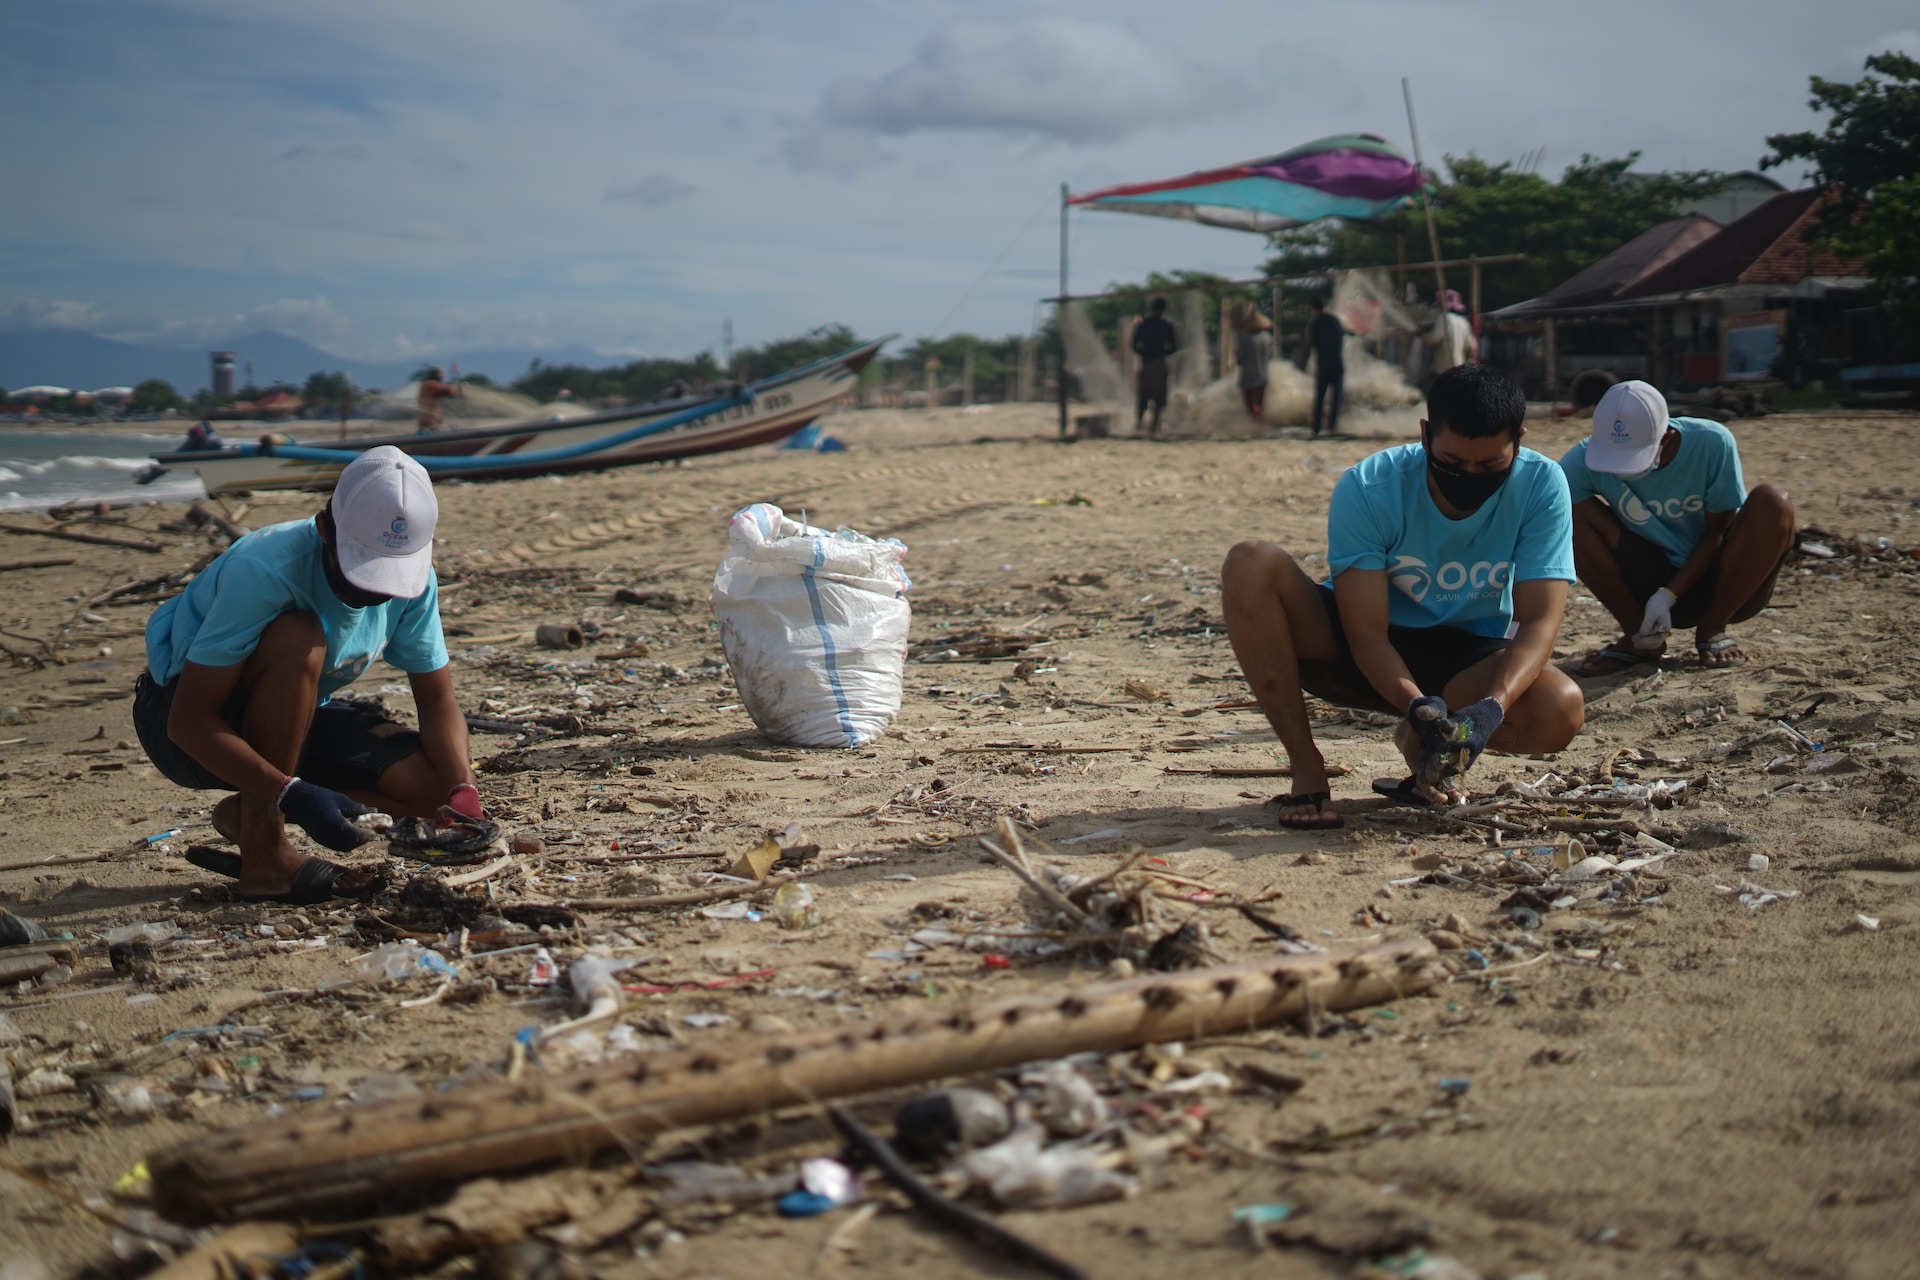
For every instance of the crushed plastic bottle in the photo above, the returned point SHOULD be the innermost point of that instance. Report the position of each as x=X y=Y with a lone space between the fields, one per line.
x=398 y=961
x=794 y=907
x=1020 y=1173
x=383 y=1086
x=1070 y=1105
x=150 y=932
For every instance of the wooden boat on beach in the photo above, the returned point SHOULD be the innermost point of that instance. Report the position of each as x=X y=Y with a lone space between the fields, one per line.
x=737 y=418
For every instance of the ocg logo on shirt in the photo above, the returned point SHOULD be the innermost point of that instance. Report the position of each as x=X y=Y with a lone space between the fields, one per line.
x=1636 y=510
x=1415 y=578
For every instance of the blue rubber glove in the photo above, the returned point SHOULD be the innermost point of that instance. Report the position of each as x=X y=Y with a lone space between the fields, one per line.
x=1470 y=727
x=325 y=815
x=1428 y=716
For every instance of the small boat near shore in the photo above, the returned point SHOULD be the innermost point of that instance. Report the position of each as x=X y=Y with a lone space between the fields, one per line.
x=761 y=412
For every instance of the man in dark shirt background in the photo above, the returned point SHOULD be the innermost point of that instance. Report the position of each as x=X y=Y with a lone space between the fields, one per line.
x=1327 y=335
x=1153 y=342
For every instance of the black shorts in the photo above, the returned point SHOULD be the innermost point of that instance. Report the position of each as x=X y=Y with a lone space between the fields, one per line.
x=342 y=750
x=1434 y=655
x=1646 y=568
x=1152 y=383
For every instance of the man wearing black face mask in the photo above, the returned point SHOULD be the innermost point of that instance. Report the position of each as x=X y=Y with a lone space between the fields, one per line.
x=241 y=668
x=1450 y=565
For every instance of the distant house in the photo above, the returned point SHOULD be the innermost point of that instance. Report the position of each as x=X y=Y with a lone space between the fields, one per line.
x=1687 y=304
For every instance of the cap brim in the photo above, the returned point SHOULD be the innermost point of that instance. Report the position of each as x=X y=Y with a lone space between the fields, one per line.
x=403 y=577
x=1611 y=460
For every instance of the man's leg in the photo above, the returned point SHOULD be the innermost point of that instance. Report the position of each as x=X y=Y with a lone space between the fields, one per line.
x=1275 y=617
x=1339 y=387
x=1319 y=397
x=1543 y=719
x=1596 y=544
x=1758 y=537
x=282 y=679
x=410 y=787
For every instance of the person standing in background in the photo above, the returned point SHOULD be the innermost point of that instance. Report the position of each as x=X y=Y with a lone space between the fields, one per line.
x=433 y=389
x=1153 y=341
x=1327 y=336
x=1253 y=350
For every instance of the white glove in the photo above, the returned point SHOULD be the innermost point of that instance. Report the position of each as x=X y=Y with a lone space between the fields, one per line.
x=1657 y=621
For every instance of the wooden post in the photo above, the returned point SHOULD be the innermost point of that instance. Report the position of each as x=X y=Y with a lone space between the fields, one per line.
x=933 y=381
x=1060 y=311
x=1029 y=351
x=1229 y=325
x=966 y=379
x=1552 y=362
x=1473 y=304
x=1426 y=202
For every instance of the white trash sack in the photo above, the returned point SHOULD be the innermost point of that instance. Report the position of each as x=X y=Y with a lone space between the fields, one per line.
x=815 y=627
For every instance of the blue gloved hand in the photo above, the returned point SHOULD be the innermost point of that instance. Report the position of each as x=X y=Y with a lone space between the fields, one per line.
x=325 y=815
x=1428 y=716
x=1470 y=727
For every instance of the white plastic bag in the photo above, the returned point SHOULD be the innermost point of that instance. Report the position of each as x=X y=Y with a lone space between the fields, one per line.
x=815 y=627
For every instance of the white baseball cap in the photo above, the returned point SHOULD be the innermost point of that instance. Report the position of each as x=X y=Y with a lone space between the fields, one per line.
x=1628 y=425
x=384 y=512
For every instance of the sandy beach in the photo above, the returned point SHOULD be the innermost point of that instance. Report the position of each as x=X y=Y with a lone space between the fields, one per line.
x=1674 y=1082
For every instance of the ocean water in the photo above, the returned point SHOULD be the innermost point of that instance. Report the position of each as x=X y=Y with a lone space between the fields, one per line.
x=44 y=468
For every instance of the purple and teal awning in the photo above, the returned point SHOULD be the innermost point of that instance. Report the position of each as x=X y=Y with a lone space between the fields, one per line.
x=1351 y=175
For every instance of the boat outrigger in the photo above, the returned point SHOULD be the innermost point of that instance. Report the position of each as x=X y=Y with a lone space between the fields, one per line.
x=734 y=418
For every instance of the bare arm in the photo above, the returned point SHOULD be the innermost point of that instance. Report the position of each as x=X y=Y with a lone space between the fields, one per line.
x=1704 y=553
x=443 y=726
x=1538 y=606
x=1362 y=597
x=196 y=726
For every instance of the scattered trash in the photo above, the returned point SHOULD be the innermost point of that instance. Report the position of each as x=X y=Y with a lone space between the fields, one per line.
x=1866 y=924
x=558 y=635
x=1070 y=1105
x=15 y=930
x=794 y=907
x=398 y=961
x=543 y=972
x=1020 y=1172
x=1758 y=862
x=950 y=1121
x=1454 y=1086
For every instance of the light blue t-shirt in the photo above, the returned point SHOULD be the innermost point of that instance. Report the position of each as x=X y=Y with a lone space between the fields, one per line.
x=1669 y=507
x=1454 y=573
x=218 y=619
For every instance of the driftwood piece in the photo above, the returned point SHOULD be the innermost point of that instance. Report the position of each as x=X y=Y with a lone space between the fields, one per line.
x=45 y=562
x=75 y=535
x=201 y=513
x=340 y=1159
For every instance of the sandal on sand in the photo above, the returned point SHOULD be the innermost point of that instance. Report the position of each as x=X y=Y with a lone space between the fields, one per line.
x=312 y=884
x=1713 y=652
x=1613 y=660
x=1401 y=791
x=1318 y=821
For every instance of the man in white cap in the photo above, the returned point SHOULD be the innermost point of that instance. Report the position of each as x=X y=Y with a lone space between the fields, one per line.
x=1665 y=532
x=242 y=667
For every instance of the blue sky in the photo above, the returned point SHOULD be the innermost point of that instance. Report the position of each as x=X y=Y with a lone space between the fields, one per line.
x=386 y=180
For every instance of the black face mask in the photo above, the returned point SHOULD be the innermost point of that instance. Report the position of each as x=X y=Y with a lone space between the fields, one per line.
x=1466 y=490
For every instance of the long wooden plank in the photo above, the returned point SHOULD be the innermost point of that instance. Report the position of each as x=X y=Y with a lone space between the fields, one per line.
x=335 y=1160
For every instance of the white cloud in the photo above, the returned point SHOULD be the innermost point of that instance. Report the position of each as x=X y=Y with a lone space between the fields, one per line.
x=651 y=191
x=54 y=313
x=314 y=320
x=1070 y=79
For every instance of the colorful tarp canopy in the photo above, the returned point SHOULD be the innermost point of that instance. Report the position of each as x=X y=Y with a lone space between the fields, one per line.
x=1351 y=175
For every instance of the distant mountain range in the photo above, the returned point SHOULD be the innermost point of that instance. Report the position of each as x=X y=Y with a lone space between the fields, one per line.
x=85 y=361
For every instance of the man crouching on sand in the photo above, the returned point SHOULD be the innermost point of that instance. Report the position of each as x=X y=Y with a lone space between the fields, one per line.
x=240 y=668
x=1439 y=552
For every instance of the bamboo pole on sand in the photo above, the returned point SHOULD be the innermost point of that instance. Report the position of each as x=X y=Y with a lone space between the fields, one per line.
x=337 y=1160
